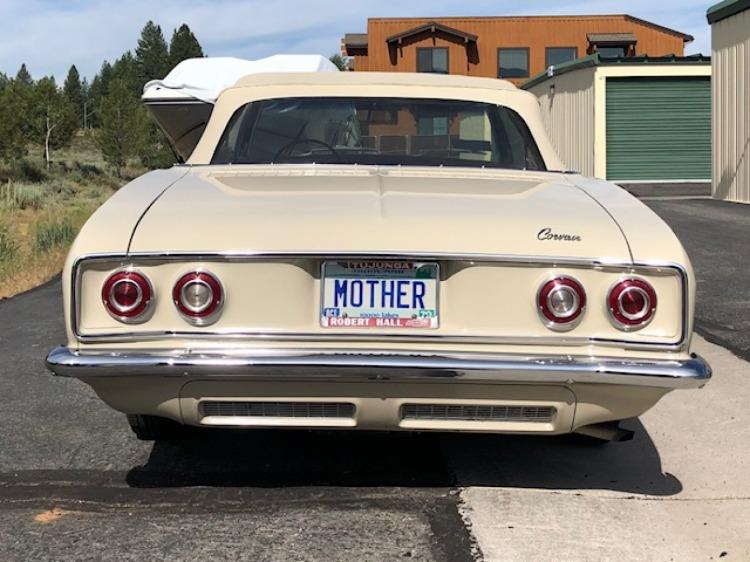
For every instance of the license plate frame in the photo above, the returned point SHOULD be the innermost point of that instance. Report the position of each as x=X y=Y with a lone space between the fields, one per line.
x=420 y=281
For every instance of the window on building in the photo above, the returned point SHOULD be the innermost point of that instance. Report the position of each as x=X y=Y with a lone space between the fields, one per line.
x=433 y=60
x=513 y=63
x=612 y=44
x=612 y=51
x=432 y=126
x=559 y=55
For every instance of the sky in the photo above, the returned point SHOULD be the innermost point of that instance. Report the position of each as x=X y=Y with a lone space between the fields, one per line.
x=50 y=35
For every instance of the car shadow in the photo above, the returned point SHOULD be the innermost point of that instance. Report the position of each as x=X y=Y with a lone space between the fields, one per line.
x=259 y=458
x=569 y=462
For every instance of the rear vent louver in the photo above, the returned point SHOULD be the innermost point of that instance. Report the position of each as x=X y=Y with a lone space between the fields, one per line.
x=219 y=408
x=472 y=412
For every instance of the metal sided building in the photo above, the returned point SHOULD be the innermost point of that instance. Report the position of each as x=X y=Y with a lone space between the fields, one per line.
x=730 y=45
x=630 y=119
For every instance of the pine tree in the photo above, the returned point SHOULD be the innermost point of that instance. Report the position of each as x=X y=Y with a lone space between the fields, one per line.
x=73 y=90
x=183 y=46
x=152 y=54
x=97 y=92
x=124 y=126
x=3 y=81
x=23 y=77
x=15 y=131
x=156 y=151
x=86 y=104
x=126 y=70
x=53 y=119
x=339 y=61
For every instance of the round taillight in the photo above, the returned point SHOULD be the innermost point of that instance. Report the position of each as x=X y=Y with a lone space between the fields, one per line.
x=631 y=303
x=561 y=302
x=198 y=296
x=127 y=295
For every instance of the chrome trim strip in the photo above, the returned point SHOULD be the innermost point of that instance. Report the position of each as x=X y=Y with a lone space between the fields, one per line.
x=522 y=260
x=382 y=365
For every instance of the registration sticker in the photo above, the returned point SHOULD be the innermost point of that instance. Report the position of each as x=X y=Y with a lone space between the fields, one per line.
x=379 y=294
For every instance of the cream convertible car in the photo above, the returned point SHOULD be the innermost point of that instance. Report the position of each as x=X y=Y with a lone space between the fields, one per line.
x=377 y=251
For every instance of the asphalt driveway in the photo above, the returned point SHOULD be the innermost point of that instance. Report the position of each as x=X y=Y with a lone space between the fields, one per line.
x=75 y=485
x=716 y=236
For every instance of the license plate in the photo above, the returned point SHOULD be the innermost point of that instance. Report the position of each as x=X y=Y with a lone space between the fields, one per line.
x=379 y=294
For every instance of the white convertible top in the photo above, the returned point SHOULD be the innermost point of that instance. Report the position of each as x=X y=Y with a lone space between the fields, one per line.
x=205 y=78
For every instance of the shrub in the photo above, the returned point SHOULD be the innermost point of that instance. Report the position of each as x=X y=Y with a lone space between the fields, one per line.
x=53 y=234
x=30 y=172
x=14 y=196
x=29 y=196
x=88 y=170
x=8 y=246
x=64 y=188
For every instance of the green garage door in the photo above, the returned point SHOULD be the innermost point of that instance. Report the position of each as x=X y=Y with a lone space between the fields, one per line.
x=658 y=128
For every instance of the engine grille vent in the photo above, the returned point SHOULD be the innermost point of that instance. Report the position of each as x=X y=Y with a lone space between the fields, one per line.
x=277 y=409
x=471 y=412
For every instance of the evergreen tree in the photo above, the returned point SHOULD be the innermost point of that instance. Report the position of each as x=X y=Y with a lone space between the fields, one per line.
x=97 y=92
x=86 y=103
x=3 y=81
x=156 y=151
x=23 y=77
x=125 y=69
x=183 y=46
x=339 y=61
x=124 y=126
x=152 y=54
x=15 y=132
x=73 y=90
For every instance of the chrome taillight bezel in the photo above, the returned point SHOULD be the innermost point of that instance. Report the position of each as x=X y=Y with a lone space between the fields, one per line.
x=204 y=316
x=544 y=307
x=136 y=314
x=621 y=319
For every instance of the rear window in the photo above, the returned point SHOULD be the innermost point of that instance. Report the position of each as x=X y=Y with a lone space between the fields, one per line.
x=381 y=131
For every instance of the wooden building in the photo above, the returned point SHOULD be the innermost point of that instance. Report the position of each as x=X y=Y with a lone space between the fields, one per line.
x=514 y=48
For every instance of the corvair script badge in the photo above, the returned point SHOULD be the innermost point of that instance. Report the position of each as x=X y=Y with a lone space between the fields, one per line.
x=547 y=234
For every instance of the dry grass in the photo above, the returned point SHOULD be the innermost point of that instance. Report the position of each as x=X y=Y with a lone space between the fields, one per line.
x=35 y=271
x=42 y=210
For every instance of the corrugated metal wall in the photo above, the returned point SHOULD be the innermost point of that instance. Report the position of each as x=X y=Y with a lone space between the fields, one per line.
x=731 y=108
x=659 y=128
x=568 y=114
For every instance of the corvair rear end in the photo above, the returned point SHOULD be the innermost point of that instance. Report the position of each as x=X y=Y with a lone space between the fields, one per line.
x=372 y=251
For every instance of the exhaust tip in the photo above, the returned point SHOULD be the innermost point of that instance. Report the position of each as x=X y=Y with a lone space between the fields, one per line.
x=607 y=432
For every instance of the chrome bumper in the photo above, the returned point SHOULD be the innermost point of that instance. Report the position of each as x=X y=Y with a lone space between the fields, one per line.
x=341 y=364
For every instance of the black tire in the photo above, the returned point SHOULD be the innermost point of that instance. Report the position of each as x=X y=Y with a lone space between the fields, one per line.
x=154 y=428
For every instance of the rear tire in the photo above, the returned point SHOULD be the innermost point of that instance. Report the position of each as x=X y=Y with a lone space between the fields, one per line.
x=154 y=428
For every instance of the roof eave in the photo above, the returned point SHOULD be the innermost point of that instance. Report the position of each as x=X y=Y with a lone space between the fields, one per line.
x=595 y=60
x=433 y=27
x=726 y=9
x=686 y=38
